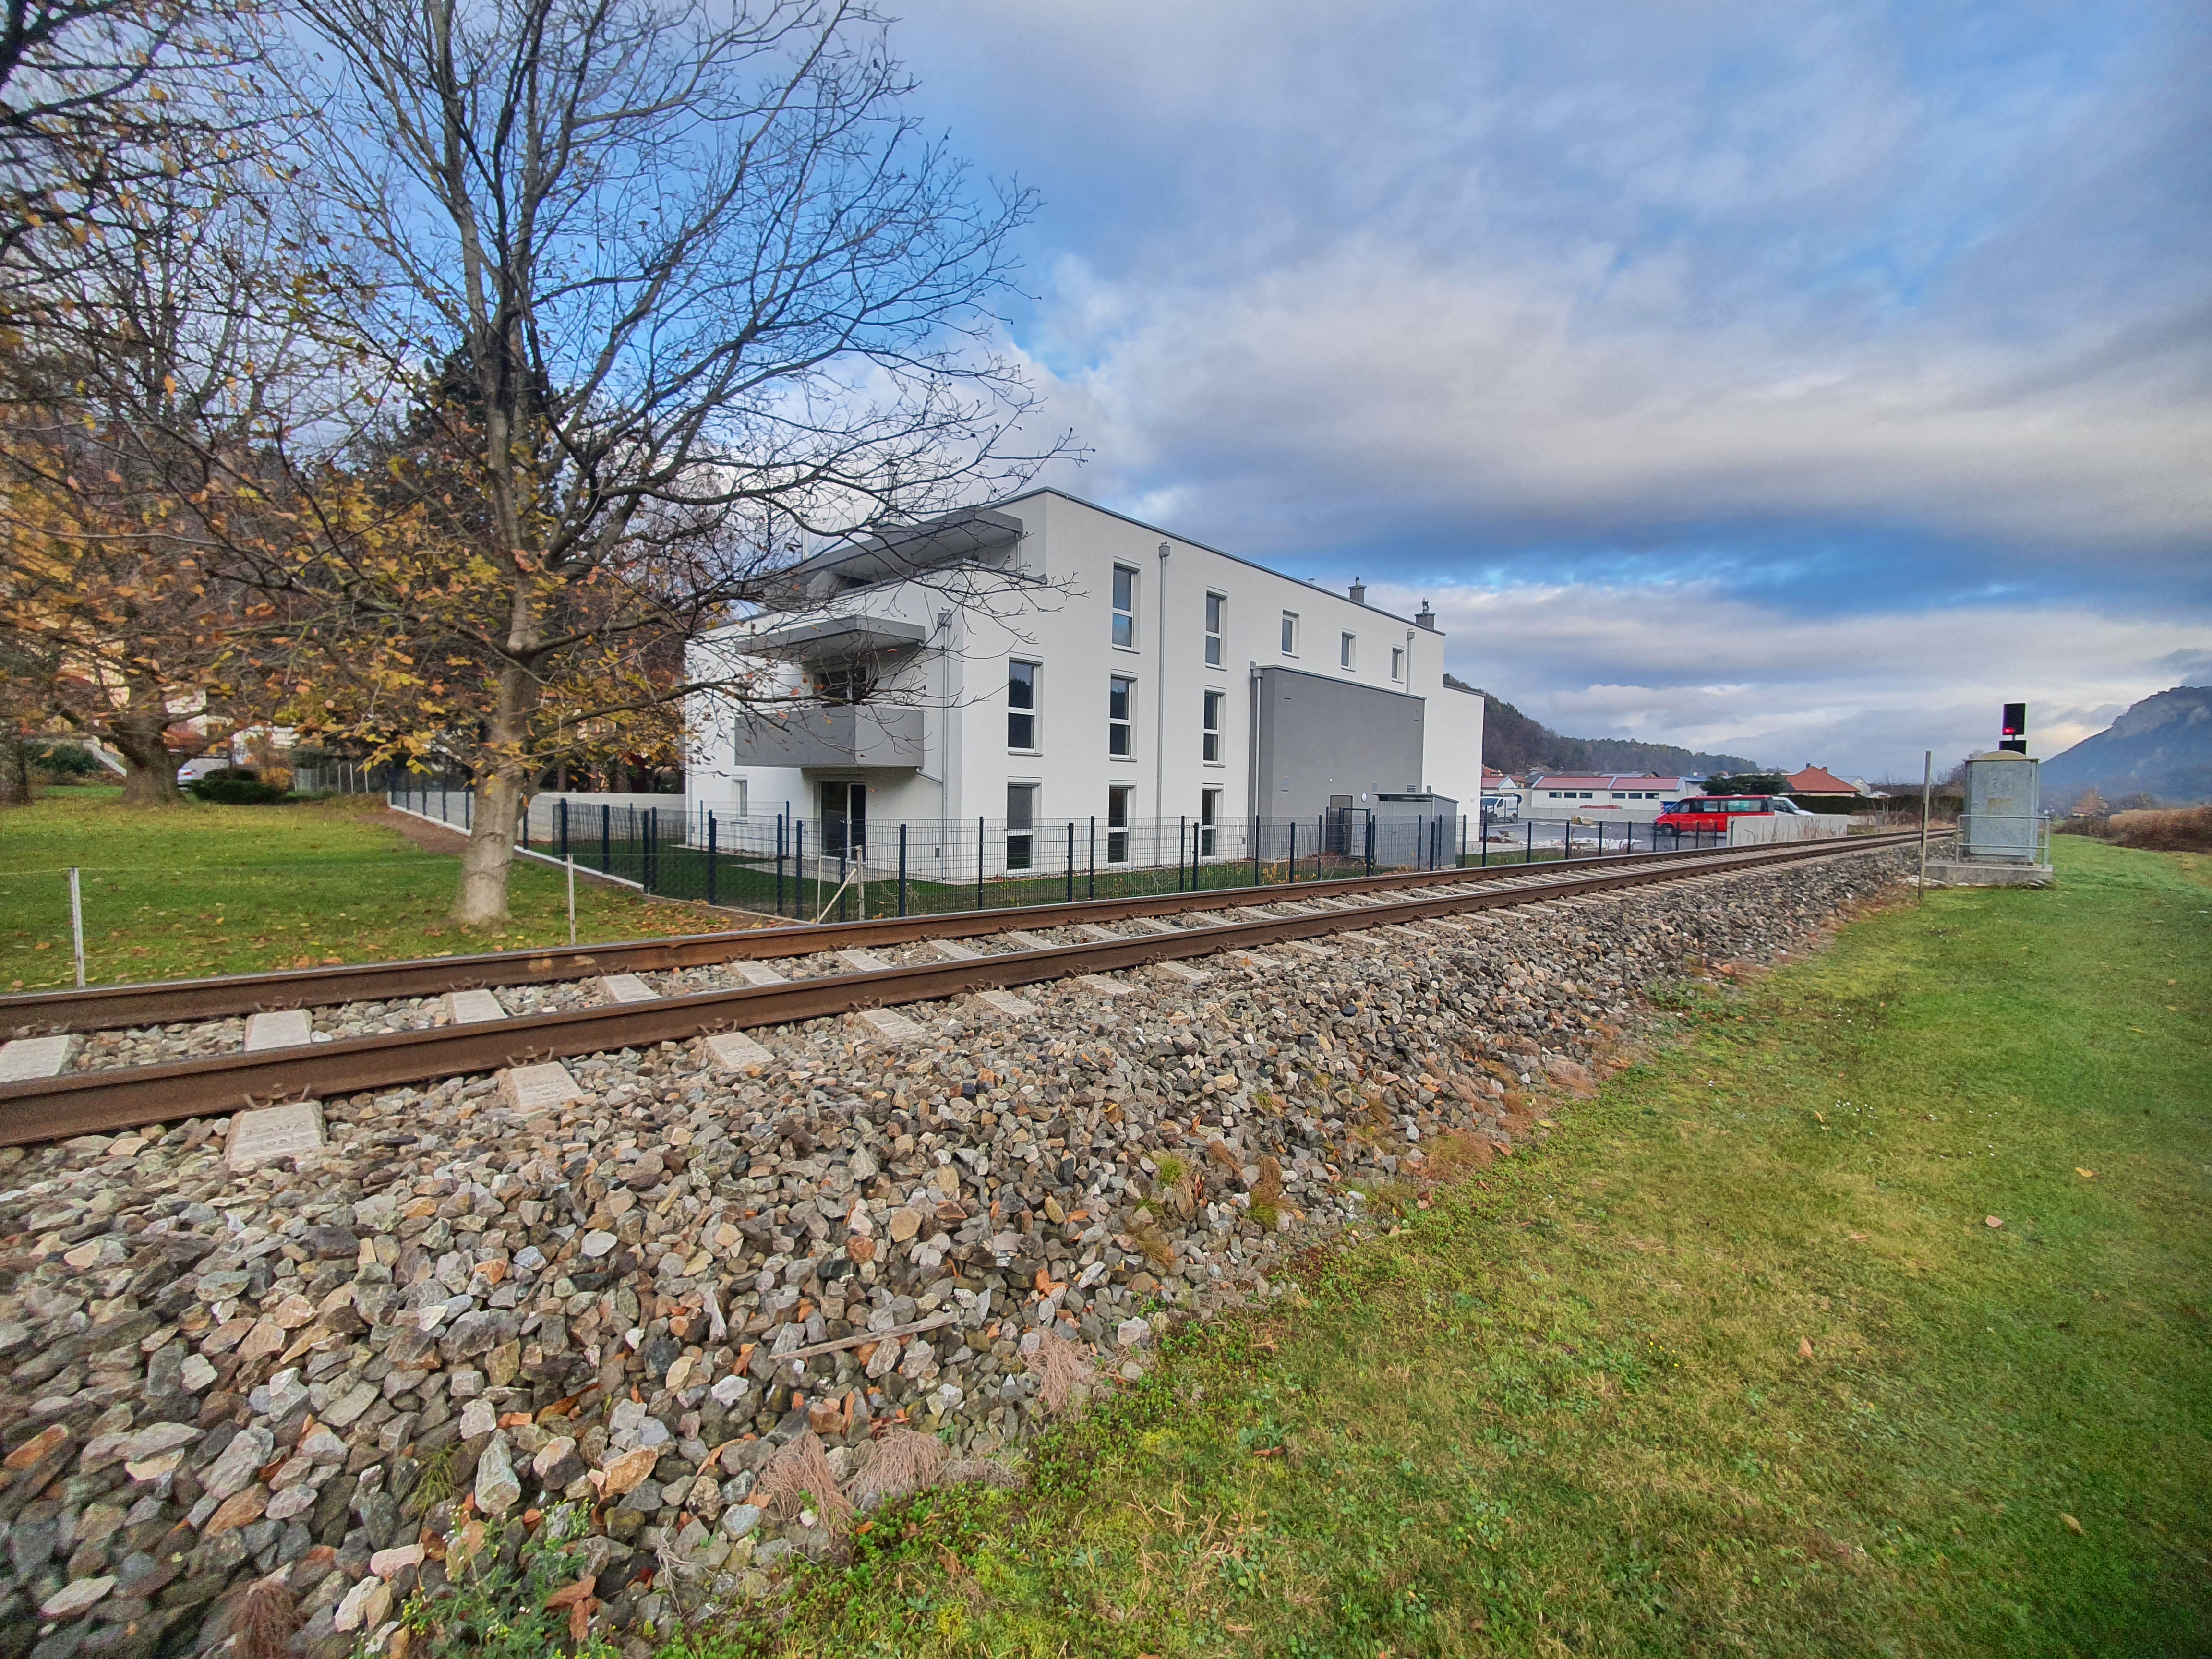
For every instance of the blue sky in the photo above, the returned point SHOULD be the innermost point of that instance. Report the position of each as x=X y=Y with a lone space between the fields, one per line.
x=1798 y=379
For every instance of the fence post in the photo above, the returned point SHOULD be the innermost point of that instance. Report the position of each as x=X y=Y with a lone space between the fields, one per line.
x=1485 y=845
x=1461 y=865
x=1294 y=849
x=606 y=839
x=651 y=848
x=1256 y=849
x=77 y=924
x=979 y=862
x=1529 y=857
x=779 y=864
x=710 y=856
x=901 y=869
x=1071 y=861
x=1367 y=842
x=563 y=806
x=799 y=867
x=1094 y=855
x=1182 y=830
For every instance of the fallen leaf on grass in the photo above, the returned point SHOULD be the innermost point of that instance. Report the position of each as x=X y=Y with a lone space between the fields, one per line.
x=2072 y=1525
x=1992 y=1221
x=2085 y=1175
x=1856 y=1238
x=1804 y=1347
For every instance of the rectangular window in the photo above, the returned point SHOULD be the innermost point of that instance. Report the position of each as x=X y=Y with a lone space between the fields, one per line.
x=1398 y=662
x=1021 y=821
x=1021 y=705
x=1347 y=651
x=1121 y=716
x=1217 y=615
x=1290 y=633
x=1213 y=736
x=1209 y=820
x=1117 y=823
x=1125 y=605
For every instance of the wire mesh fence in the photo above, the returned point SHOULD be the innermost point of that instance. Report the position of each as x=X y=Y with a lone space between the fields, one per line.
x=844 y=869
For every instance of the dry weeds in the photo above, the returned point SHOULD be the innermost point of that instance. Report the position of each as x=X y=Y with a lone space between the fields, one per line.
x=800 y=1473
x=1062 y=1369
x=903 y=1463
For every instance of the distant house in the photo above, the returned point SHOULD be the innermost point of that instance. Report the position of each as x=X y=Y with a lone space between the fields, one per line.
x=1818 y=780
x=1626 y=796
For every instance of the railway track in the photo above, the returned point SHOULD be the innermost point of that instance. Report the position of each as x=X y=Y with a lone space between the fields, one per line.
x=78 y=1103
x=117 y=1007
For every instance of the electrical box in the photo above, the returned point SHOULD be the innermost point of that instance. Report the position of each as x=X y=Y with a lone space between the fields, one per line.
x=2003 y=819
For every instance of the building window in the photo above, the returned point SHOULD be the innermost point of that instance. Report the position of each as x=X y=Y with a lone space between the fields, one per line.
x=1209 y=820
x=1021 y=821
x=1121 y=716
x=744 y=794
x=1213 y=702
x=1125 y=605
x=1398 y=663
x=1347 y=651
x=1021 y=705
x=1117 y=823
x=1217 y=615
x=1290 y=633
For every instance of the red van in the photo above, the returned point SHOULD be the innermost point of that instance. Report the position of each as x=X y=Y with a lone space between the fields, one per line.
x=1712 y=813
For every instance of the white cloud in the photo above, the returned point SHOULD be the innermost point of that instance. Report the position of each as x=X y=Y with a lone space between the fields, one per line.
x=1862 y=694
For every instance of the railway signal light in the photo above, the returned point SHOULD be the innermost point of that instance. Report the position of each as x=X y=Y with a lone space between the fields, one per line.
x=2015 y=733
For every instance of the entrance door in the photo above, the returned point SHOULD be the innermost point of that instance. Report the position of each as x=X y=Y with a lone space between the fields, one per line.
x=1339 y=825
x=844 y=819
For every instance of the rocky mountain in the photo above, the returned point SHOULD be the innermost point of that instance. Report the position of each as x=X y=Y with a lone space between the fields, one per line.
x=1512 y=742
x=2162 y=747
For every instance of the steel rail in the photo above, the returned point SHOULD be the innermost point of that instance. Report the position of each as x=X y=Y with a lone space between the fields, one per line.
x=117 y=1007
x=86 y=1101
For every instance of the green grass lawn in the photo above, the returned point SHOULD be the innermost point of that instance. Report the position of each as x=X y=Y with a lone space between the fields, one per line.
x=1733 y=1364
x=184 y=891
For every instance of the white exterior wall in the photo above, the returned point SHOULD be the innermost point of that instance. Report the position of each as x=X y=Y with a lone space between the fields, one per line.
x=1065 y=625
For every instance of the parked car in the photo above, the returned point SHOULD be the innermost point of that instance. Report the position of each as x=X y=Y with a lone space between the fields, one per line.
x=1712 y=813
x=1501 y=809
x=199 y=766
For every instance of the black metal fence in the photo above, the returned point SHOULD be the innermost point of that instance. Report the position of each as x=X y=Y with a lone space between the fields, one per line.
x=803 y=868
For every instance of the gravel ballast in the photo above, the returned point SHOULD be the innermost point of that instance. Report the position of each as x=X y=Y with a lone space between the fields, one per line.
x=662 y=1302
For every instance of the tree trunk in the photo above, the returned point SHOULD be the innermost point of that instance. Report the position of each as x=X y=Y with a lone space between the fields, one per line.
x=499 y=794
x=150 y=777
x=15 y=773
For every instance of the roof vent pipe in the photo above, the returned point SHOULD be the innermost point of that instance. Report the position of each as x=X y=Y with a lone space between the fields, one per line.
x=1425 y=617
x=1359 y=592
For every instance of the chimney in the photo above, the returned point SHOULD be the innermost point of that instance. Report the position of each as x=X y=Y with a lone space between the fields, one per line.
x=1359 y=592
x=1425 y=617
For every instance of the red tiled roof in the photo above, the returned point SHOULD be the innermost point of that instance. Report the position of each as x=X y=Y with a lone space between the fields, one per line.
x=1818 y=781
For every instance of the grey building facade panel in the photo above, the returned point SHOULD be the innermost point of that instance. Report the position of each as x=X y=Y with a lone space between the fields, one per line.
x=1317 y=738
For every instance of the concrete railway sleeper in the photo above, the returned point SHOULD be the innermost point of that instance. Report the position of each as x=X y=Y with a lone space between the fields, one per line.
x=636 y=1015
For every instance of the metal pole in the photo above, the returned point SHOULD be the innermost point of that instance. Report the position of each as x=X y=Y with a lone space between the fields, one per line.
x=710 y=857
x=1094 y=855
x=570 y=860
x=779 y=863
x=799 y=866
x=1256 y=850
x=901 y=869
x=1071 y=861
x=564 y=827
x=1927 y=786
x=1182 y=830
x=76 y=924
x=1294 y=849
x=606 y=839
x=979 y=862
x=1529 y=857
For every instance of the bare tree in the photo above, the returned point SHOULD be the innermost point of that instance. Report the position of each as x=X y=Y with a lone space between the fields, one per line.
x=691 y=289
x=100 y=100
x=131 y=474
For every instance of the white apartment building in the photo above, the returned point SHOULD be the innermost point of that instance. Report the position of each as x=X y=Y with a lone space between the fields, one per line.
x=1044 y=661
x=1604 y=797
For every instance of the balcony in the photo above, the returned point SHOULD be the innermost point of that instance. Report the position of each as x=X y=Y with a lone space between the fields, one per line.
x=857 y=734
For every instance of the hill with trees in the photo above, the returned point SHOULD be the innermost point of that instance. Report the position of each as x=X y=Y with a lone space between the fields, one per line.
x=1512 y=742
x=2161 y=747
